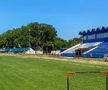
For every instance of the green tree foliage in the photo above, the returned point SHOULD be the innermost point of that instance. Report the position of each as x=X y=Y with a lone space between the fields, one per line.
x=59 y=43
x=38 y=36
x=73 y=41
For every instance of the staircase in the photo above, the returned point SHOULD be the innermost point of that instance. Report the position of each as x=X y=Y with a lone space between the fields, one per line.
x=98 y=52
x=71 y=51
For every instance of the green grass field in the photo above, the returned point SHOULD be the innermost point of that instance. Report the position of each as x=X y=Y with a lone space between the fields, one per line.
x=18 y=73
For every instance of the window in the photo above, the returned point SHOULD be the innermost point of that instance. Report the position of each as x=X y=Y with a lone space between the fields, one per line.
x=105 y=35
x=102 y=35
x=85 y=38
x=99 y=35
x=91 y=36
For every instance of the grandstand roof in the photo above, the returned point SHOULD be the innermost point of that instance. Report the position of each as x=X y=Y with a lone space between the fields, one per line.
x=94 y=31
x=15 y=50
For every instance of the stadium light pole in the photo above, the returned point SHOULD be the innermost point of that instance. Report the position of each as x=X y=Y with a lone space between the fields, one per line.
x=42 y=36
x=29 y=39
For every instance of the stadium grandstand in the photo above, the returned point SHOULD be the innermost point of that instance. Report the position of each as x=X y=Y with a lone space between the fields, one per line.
x=18 y=50
x=94 y=44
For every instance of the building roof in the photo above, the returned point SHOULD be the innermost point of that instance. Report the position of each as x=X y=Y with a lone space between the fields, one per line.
x=94 y=31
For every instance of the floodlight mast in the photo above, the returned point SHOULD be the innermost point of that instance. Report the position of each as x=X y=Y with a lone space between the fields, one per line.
x=29 y=39
x=42 y=37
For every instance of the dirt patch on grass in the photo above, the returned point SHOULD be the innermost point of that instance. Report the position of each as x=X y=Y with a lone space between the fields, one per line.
x=60 y=58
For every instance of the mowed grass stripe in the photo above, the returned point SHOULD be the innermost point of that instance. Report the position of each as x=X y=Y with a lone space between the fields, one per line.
x=18 y=76
x=36 y=74
x=5 y=80
x=19 y=73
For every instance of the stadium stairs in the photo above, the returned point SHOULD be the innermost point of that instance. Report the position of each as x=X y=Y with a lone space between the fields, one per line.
x=98 y=51
x=71 y=51
x=93 y=48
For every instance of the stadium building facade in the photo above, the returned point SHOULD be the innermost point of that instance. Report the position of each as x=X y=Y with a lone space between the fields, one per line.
x=94 y=44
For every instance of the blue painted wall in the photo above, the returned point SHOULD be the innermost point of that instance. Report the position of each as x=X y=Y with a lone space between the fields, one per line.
x=95 y=32
x=96 y=40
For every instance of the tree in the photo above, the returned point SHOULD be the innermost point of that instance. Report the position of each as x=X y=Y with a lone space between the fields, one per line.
x=59 y=43
x=73 y=41
x=41 y=36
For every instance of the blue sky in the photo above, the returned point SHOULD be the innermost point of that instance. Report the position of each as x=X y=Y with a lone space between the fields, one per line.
x=67 y=16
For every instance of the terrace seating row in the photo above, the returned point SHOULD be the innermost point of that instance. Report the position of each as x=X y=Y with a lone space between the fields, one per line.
x=99 y=52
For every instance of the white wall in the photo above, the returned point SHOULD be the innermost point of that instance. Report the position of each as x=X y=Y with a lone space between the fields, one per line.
x=39 y=52
x=30 y=51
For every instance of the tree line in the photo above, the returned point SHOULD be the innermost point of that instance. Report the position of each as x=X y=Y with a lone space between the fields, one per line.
x=38 y=36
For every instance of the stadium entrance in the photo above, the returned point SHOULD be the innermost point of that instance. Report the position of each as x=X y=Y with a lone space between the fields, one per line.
x=79 y=51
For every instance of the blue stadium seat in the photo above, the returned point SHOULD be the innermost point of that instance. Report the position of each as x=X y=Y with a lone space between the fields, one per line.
x=99 y=51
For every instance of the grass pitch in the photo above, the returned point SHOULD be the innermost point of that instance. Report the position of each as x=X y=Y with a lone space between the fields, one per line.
x=18 y=73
